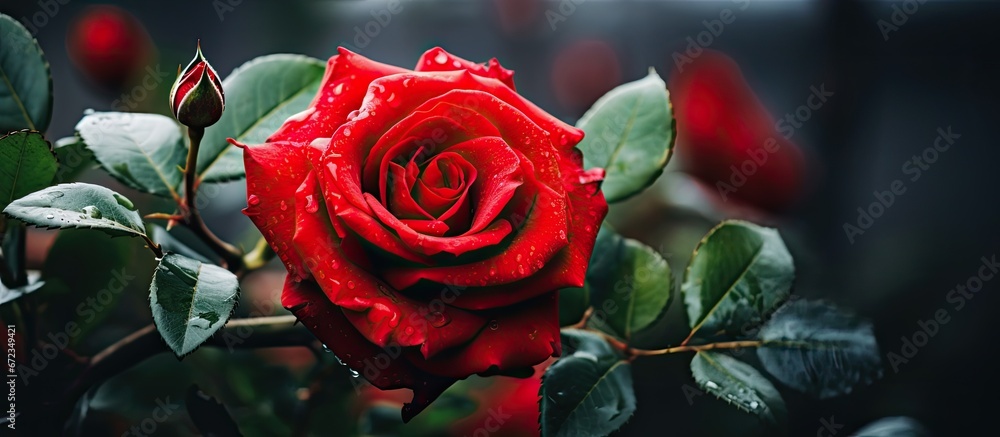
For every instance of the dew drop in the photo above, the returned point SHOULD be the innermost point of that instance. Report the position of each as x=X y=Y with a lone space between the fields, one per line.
x=711 y=385
x=311 y=204
x=406 y=82
x=301 y=116
x=441 y=58
x=50 y=216
x=494 y=325
x=438 y=319
x=493 y=271
x=283 y=205
x=253 y=200
x=753 y=405
x=562 y=235
x=338 y=89
x=347 y=132
x=408 y=331
x=350 y=284
x=124 y=202
x=92 y=211
x=520 y=269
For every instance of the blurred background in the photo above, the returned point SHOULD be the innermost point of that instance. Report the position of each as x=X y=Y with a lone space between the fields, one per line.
x=854 y=94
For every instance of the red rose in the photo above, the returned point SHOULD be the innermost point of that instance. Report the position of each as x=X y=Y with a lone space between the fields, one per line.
x=427 y=219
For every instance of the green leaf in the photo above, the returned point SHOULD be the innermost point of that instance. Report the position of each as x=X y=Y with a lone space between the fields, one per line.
x=588 y=391
x=898 y=426
x=27 y=164
x=79 y=206
x=819 y=349
x=738 y=384
x=260 y=95
x=190 y=301
x=74 y=158
x=739 y=273
x=143 y=151
x=630 y=133
x=12 y=247
x=632 y=284
x=25 y=80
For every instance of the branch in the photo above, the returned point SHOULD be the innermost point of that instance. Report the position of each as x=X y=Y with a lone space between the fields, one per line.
x=277 y=331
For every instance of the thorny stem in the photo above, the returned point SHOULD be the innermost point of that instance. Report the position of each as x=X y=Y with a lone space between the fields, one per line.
x=192 y=218
x=631 y=353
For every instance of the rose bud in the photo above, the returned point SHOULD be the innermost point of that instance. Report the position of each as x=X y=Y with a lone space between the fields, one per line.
x=197 y=99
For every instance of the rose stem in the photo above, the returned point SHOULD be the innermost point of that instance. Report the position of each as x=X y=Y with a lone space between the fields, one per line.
x=282 y=331
x=192 y=218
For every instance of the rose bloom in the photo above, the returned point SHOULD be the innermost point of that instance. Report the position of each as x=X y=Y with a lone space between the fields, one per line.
x=427 y=219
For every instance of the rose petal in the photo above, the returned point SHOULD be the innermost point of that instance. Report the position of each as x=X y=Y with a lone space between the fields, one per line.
x=273 y=172
x=542 y=235
x=437 y=59
x=427 y=244
x=433 y=129
x=341 y=91
x=382 y=315
x=327 y=322
x=399 y=200
x=516 y=337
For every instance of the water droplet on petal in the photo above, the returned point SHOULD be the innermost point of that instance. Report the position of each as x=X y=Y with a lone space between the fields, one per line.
x=301 y=116
x=350 y=284
x=338 y=89
x=711 y=385
x=494 y=325
x=347 y=132
x=441 y=58
x=283 y=205
x=253 y=200
x=311 y=204
x=50 y=216
x=438 y=319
